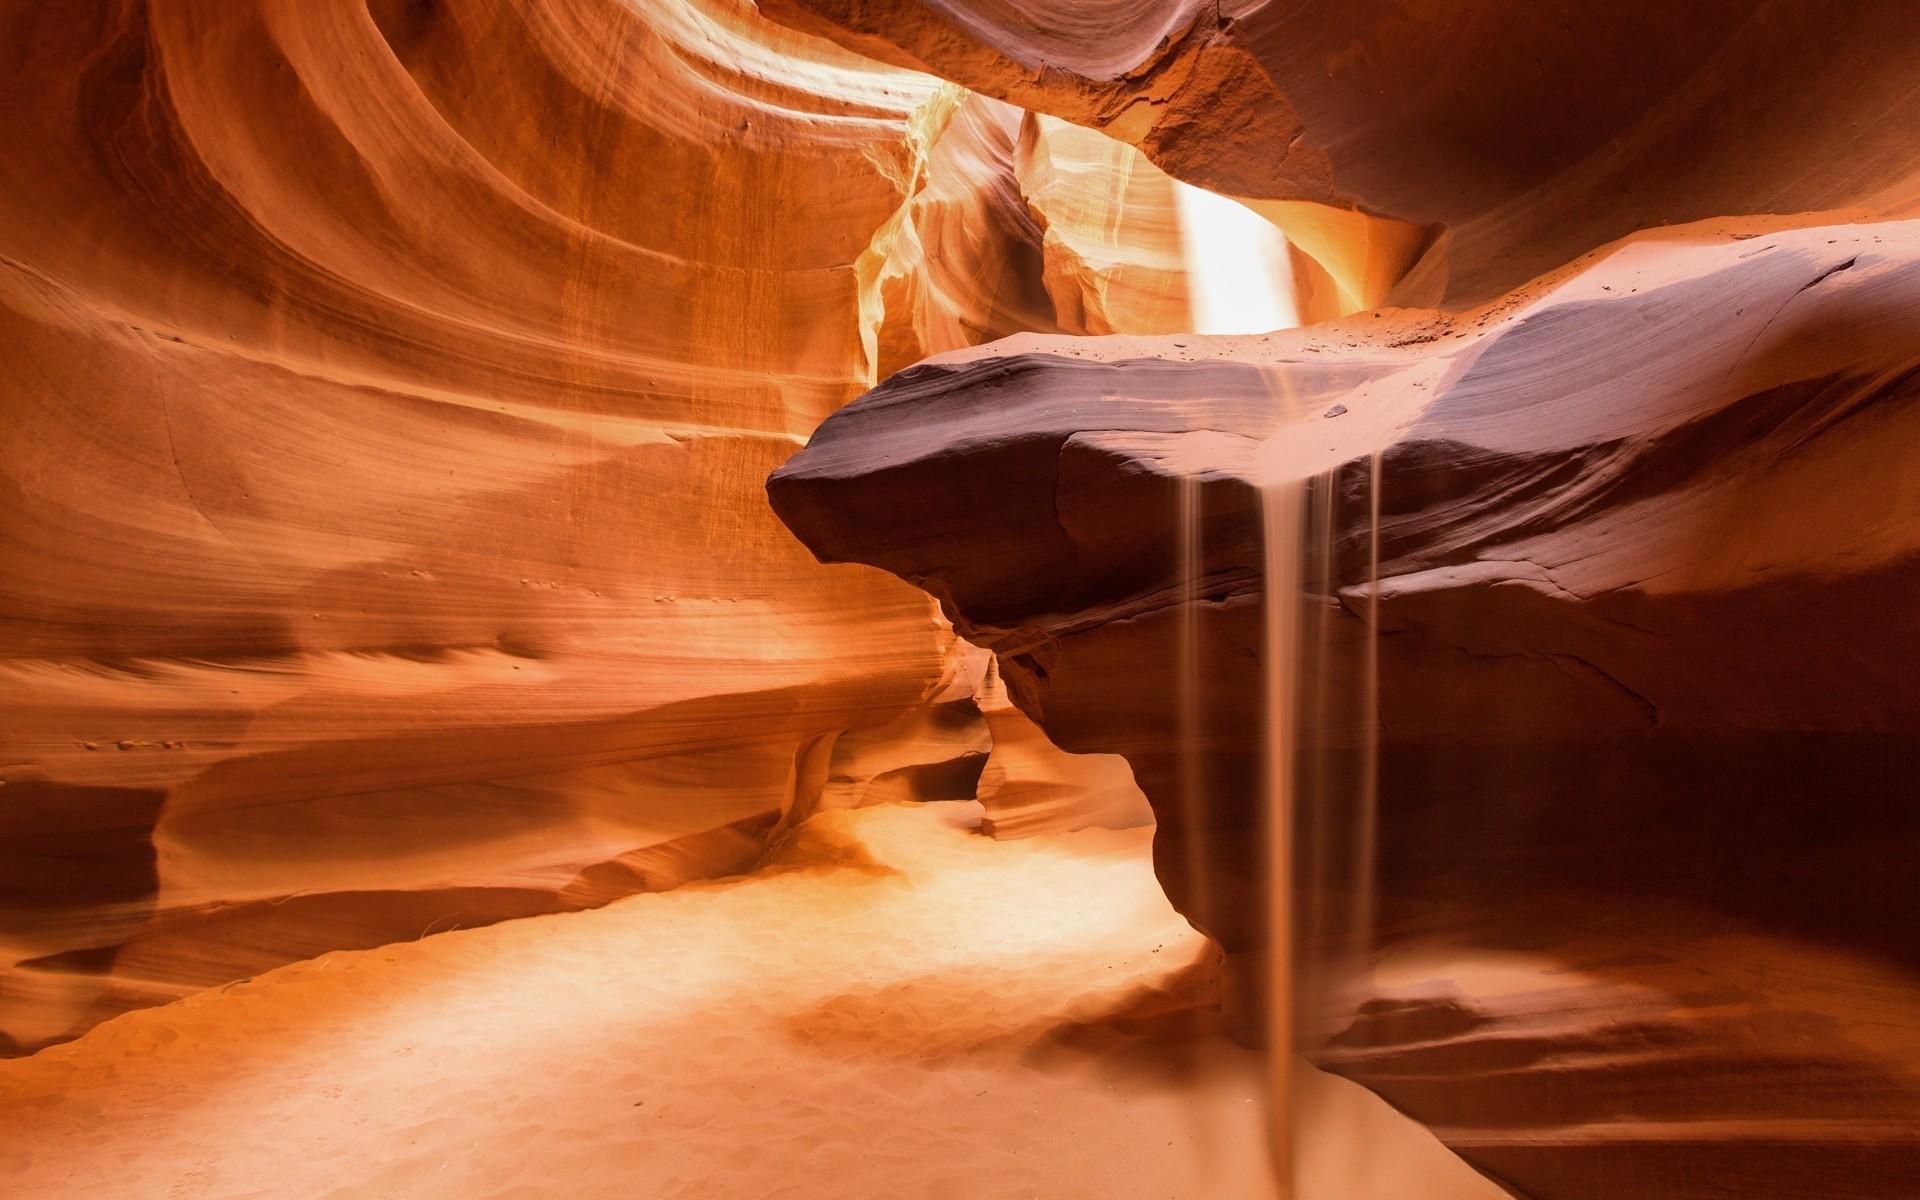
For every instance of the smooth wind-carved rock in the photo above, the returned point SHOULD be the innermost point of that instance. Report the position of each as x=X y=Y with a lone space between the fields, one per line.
x=1647 y=542
x=1448 y=149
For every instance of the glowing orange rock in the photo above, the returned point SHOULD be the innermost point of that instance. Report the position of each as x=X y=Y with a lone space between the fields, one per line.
x=1645 y=527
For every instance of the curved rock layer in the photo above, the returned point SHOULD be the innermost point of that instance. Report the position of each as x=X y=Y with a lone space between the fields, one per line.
x=391 y=387
x=1487 y=142
x=1017 y=223
x=1648 y=535
x=383 y=548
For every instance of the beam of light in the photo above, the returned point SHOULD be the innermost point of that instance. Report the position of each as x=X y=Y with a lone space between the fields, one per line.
x=1239 y=275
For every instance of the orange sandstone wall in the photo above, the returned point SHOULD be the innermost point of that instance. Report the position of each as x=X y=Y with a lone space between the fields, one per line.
x=1614 y=888
x=389 y=391
x=1472 y=146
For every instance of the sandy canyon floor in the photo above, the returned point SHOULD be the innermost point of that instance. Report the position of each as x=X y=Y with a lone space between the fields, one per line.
x=896 y=1006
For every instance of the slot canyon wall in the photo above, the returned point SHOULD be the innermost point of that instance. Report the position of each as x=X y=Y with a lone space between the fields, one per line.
x=1644 y=919
x=1633 y=411
x=1449 y=151
x=391 y=389
x=385 y=543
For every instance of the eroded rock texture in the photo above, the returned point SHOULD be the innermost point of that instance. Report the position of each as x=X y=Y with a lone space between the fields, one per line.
x=390 y=388
x=1648 y=538
x=1473 y=145
x=383 y=547
x=391 y=385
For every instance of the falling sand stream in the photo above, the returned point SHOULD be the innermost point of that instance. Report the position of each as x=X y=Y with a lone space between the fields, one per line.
x=1319 y=788
x=1281 y=504
x=1319 y=483
x=1320 y=781
x=1320 y=727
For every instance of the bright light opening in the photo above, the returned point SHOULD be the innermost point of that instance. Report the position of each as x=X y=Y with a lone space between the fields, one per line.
x=1239 y=276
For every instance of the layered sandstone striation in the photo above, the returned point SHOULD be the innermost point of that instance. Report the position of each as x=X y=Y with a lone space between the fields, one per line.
x=383 y=547
x=1644 y=531
x=1019 y=223
x=1464 y=147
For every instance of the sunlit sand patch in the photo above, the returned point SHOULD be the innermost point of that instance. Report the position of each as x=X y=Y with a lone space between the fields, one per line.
x=894 y=1006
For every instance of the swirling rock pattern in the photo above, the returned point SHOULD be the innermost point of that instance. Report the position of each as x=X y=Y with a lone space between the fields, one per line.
x=1647 y=540
x=390 y=390
x=1474 y=146
x=391 y=384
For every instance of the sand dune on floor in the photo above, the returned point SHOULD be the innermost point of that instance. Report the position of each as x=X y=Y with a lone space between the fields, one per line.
x=894 y=1006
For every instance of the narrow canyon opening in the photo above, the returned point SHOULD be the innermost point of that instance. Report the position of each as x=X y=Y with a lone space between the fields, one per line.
x=710 y=598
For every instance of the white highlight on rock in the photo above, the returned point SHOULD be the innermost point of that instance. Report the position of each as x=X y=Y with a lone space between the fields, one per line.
x=1239 y=276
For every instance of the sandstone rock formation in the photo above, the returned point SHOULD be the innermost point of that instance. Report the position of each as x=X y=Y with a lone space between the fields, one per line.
x=1647 y=534
x=1029 y=786
x=1474 y=145
x=383 y=547
x=1023 y=224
